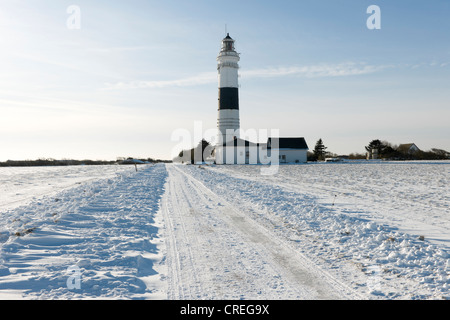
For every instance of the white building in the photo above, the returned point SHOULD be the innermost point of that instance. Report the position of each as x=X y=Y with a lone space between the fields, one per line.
x=276 y=150
x=230 y=148
x=290 y=150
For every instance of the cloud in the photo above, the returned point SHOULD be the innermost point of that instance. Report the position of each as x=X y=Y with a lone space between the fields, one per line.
x=104 y=50
x=202 y=78
x=324 y=70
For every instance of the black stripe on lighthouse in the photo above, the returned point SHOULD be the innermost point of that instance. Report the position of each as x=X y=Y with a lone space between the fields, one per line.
x=228 y=98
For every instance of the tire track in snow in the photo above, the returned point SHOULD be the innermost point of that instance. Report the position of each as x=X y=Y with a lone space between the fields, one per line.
x=240 y=257
x=179 y=255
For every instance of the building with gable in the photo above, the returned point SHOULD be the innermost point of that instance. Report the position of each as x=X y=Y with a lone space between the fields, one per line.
x=230 y=148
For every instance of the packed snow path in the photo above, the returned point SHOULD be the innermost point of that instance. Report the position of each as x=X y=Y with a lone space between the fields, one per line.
x=216 y=251
x=377 y=258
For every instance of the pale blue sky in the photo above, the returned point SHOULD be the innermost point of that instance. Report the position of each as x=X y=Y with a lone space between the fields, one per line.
x=137 y=71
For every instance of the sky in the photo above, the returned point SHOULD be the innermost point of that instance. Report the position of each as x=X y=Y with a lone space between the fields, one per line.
x=105 y=79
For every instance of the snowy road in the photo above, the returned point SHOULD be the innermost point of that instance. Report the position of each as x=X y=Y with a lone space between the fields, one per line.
x=215 y=251
x=221 y=232
x=289 y=239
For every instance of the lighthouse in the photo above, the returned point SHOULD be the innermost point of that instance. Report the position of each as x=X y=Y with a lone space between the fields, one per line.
x=228 y=112
x=230 y=147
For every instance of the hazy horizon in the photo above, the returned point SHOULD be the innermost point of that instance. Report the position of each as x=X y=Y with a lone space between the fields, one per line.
x=117 y=79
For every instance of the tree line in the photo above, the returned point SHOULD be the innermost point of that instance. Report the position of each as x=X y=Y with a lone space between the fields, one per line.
x=199 y=153
x=70 y=162
x=383 y=150
x=387 y=150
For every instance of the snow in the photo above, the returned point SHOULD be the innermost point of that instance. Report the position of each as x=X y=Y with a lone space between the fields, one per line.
x=363 y=230
x=20 y=184
x=105 y=227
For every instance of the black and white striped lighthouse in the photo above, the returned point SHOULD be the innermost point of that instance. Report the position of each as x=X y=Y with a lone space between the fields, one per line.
x=228 y=115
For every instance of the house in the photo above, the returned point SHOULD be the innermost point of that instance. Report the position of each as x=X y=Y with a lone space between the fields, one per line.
x=290 y=150
x=408 y=148
x=276 y=150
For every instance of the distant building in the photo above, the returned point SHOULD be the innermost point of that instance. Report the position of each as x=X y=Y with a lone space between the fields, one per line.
x=372 y=155
x=408 y=148
x=290 y=150
x=240 y=151
x=230 y=148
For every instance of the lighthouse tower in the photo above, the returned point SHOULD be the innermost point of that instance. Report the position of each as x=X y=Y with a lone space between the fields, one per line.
x=228 y=115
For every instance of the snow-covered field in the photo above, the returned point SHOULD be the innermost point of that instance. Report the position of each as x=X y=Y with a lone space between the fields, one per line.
x=19 y=185
x=99 y=232
x=313 y=231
